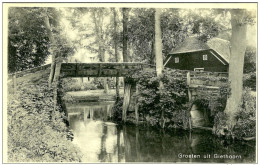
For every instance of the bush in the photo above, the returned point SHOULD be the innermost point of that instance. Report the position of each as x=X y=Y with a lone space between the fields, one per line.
x=249 y=80
x=172 y=100
x=245 y=119
x=89 y=86
x=117 y=110
x=246 y=116
x=37 y=133
x=250 y=60
x=70 y=84
x=74 y=85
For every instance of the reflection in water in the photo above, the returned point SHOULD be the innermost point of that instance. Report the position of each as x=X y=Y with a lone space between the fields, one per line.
x=104 y=141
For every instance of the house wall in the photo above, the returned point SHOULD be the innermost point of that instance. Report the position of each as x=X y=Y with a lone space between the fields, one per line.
x=191 y=60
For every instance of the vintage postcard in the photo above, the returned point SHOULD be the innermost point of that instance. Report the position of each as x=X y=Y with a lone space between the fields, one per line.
x=129 y=82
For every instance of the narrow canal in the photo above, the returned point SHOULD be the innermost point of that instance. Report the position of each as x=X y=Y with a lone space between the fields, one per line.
x=101 y=140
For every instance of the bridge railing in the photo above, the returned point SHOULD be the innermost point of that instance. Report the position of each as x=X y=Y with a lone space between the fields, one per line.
x=202 y=84
x=205 y=78
x=29 y=71
x=208 y=78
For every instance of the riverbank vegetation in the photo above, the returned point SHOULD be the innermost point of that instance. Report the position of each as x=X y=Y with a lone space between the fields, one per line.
x=37 y=133
x=173 y=100
x=245 y=127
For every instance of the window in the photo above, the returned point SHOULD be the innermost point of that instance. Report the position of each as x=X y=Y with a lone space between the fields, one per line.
x=198 y=69
x=205 y=57
x=176 y=59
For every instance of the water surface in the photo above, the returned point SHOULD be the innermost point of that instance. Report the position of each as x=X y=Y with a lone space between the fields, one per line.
x=101 y=140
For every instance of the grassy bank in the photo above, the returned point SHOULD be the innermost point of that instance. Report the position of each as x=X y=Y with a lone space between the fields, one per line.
x=37 y=133
x=92 y=95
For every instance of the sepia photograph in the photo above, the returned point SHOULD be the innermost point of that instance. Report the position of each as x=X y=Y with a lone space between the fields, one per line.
x=129 y=82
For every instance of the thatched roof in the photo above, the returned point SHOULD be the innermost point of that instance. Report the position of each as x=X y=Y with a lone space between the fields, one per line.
x=191 y=44
x=222 y=47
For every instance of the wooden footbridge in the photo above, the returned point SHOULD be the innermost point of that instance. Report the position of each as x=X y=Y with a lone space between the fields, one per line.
x=197 y=85
x=109 y=69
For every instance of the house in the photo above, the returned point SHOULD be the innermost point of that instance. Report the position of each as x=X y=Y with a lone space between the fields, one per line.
x=196 y=55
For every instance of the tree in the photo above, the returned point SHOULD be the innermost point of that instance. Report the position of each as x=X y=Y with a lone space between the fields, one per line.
x=127 y=86
x=116 y=51
x=60 y=48
x=28 y=40
x=125 y=33
x=158 y=43
x=236 y=65
x=98 y=15
x=141 y=34
x=158 y=54
x=53 y=43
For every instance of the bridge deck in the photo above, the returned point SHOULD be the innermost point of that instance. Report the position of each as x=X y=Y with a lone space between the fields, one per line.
x=113 y=69
x=100 y=69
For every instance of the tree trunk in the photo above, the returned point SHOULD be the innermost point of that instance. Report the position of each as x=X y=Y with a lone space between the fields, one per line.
x=57 y=70
x=158 y=43
x=152 y=57
x=125 y=33
x=102 y=56
x=116 y=52
x=52 y=42
x=56 y=80
x=158 y=54
x=97 y=16
x=236 y=65
x=127 y=87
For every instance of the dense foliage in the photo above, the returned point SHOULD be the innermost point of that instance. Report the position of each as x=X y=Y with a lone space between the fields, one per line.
x=245 y=117
x=28 y=41
x=37 y=133
x=249 y=78
x=70 y=84
x=172 y=99
x=76 y=84
x=117 y=110
x=27 y=38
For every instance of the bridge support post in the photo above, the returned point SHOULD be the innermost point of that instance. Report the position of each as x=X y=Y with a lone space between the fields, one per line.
x=136 y=106
x=126 y=102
